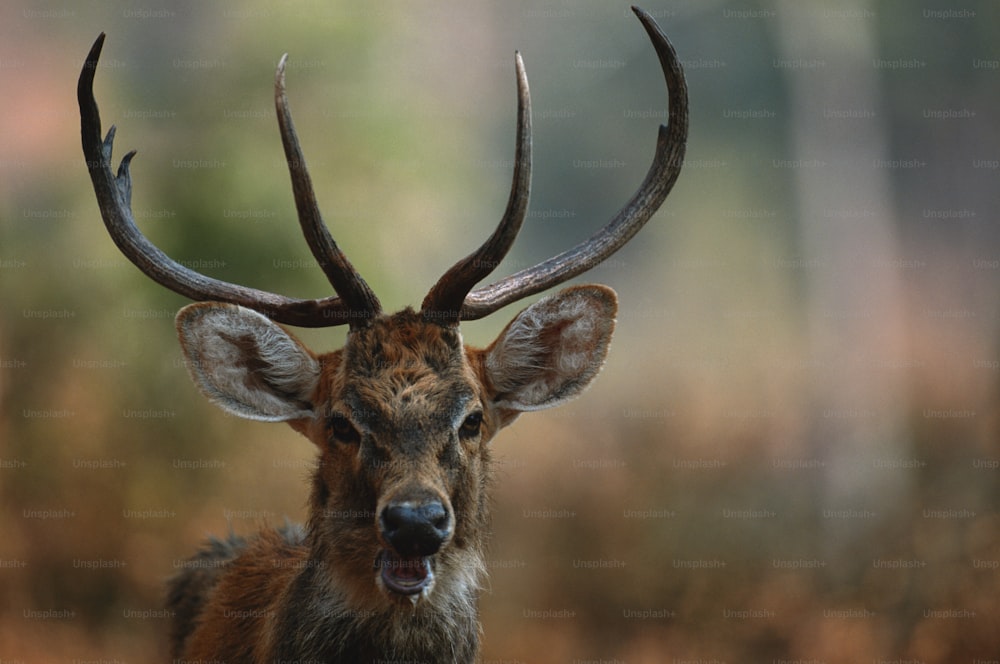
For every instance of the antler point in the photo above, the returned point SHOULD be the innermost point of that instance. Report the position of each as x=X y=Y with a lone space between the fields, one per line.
x=279 y=74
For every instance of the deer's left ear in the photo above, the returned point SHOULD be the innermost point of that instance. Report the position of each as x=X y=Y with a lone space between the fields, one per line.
x=247 y=364
x=552 y=350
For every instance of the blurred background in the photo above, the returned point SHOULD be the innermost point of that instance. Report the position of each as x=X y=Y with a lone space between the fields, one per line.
x=793 y=452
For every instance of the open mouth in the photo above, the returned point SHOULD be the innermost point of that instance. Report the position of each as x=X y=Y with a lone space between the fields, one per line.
x=404 y=575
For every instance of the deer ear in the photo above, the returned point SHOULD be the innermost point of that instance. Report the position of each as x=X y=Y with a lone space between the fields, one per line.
x=247 y=364
x=553 y=349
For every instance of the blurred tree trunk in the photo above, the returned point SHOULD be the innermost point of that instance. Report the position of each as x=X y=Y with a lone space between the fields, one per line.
x=852 y=282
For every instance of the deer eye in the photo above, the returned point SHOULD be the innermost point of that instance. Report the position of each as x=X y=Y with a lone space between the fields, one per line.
x=341 y=429
x=471 y=426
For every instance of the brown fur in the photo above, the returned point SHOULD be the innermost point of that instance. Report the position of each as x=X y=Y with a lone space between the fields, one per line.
x=406 y=388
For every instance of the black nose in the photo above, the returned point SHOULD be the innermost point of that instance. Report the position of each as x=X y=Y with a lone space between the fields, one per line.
x=415 y=529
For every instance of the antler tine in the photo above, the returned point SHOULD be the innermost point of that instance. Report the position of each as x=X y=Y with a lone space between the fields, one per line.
x=627 y=221
x=359 y=297
x=114 y=194
x=444 y=301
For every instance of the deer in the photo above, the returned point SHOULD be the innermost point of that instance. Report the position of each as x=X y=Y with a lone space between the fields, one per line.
x=391 y=560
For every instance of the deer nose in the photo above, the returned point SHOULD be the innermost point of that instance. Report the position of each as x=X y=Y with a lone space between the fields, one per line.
x=415 y=529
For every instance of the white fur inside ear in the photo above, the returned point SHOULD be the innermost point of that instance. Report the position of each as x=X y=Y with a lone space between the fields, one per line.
x=245 y=363
x=553 y=349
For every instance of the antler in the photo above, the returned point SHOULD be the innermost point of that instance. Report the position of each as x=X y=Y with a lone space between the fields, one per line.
x=442 y=303
x=452 y=298
x=445 y=299
x=343 y=277
x=356 y=303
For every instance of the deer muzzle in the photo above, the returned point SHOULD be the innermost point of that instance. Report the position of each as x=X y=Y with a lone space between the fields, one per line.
x=414 y=531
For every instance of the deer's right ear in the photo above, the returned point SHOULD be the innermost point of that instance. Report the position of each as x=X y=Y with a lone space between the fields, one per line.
x=246 y=363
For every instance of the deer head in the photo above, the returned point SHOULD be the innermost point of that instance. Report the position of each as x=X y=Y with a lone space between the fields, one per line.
x=403 y=414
